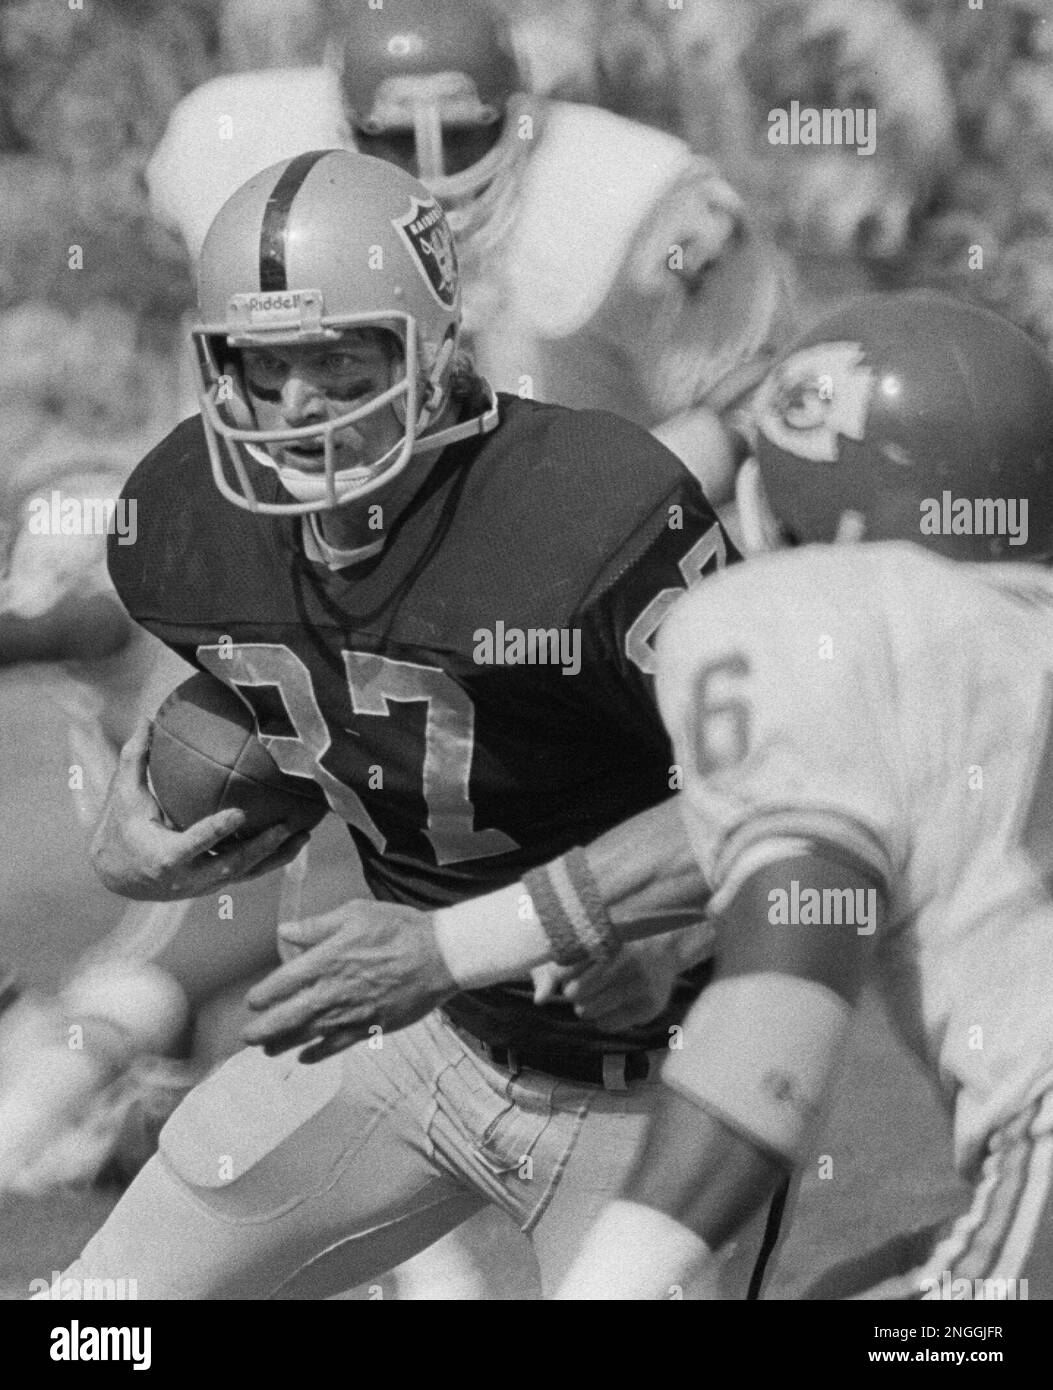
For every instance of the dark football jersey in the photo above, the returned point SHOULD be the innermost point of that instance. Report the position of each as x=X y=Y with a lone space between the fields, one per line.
x=475 y=699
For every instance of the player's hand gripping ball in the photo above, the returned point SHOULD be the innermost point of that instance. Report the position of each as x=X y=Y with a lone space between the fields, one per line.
x=136 y=851
x=205 y=757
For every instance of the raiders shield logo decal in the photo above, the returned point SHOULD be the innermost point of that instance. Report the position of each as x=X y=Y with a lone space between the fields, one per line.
x=430 y=243
x=817 y=397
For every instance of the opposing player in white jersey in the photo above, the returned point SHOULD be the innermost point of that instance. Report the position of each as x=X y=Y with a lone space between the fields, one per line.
x=867 y=747
x=605 y=265
x=865 y=740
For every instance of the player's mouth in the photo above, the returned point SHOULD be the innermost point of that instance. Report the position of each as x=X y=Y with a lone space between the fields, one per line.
x=308 y=455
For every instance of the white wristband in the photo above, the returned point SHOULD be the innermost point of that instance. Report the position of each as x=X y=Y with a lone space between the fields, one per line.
x=486 y=940
x=636 y=1252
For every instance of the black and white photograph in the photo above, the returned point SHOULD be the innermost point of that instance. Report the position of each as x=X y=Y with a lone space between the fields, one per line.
x=526 y=660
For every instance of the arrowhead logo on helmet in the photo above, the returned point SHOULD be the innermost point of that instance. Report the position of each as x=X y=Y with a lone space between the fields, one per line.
x=915 y=397
x=816 y=397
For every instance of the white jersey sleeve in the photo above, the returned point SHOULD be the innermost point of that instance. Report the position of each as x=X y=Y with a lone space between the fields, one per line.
x=229 y=129
x=778 y=722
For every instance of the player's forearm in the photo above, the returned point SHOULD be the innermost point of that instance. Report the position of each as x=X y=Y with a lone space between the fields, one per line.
x=646 y=877
x=646 y=874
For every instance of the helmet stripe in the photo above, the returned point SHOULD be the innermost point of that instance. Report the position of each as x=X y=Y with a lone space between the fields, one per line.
x=275 y=227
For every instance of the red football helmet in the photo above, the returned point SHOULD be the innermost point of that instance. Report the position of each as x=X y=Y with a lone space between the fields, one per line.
x=918 y=416
x=428 y=85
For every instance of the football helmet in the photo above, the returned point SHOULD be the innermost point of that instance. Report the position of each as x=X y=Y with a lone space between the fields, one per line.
x=889 y=412
x=430 y=86
x=305 y=250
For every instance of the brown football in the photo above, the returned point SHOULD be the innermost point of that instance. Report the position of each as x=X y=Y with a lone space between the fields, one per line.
x=205 y=757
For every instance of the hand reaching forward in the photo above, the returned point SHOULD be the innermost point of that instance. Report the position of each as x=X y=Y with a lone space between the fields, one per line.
x=362 y=966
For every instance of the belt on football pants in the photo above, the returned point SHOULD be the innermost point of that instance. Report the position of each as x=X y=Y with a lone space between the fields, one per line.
x=611 y=1070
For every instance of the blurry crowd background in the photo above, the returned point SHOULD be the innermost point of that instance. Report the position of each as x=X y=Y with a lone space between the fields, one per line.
x=964 y=98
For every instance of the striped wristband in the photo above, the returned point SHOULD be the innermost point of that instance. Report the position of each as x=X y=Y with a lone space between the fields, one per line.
x=571 y=911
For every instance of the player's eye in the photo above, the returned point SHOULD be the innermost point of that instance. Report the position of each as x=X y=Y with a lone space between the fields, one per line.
x=339 y=363
x=265 y=369
x=345 y=376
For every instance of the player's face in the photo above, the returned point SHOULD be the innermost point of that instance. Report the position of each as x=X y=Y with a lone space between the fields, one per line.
x=292 y=387
x=461 y=148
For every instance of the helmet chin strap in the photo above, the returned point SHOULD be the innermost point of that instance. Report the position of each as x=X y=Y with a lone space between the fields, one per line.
x=464 y=429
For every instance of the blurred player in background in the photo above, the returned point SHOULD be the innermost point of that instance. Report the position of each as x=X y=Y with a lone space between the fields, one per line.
x=714 y=71
x=865 y=737
x=605 y=264
x=76 y=420
x=75 y=425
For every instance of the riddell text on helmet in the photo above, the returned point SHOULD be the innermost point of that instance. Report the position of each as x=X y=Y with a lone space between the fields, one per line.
x=265 y=303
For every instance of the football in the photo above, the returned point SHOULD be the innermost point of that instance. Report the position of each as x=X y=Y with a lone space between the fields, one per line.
x=205 y=757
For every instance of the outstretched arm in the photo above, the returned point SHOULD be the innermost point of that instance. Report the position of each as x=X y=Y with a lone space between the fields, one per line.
x=648 y=880
x=760 y=1053
x=369 y=963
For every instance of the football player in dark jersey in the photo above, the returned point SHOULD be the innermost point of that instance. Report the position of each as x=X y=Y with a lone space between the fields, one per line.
x=440 y=605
